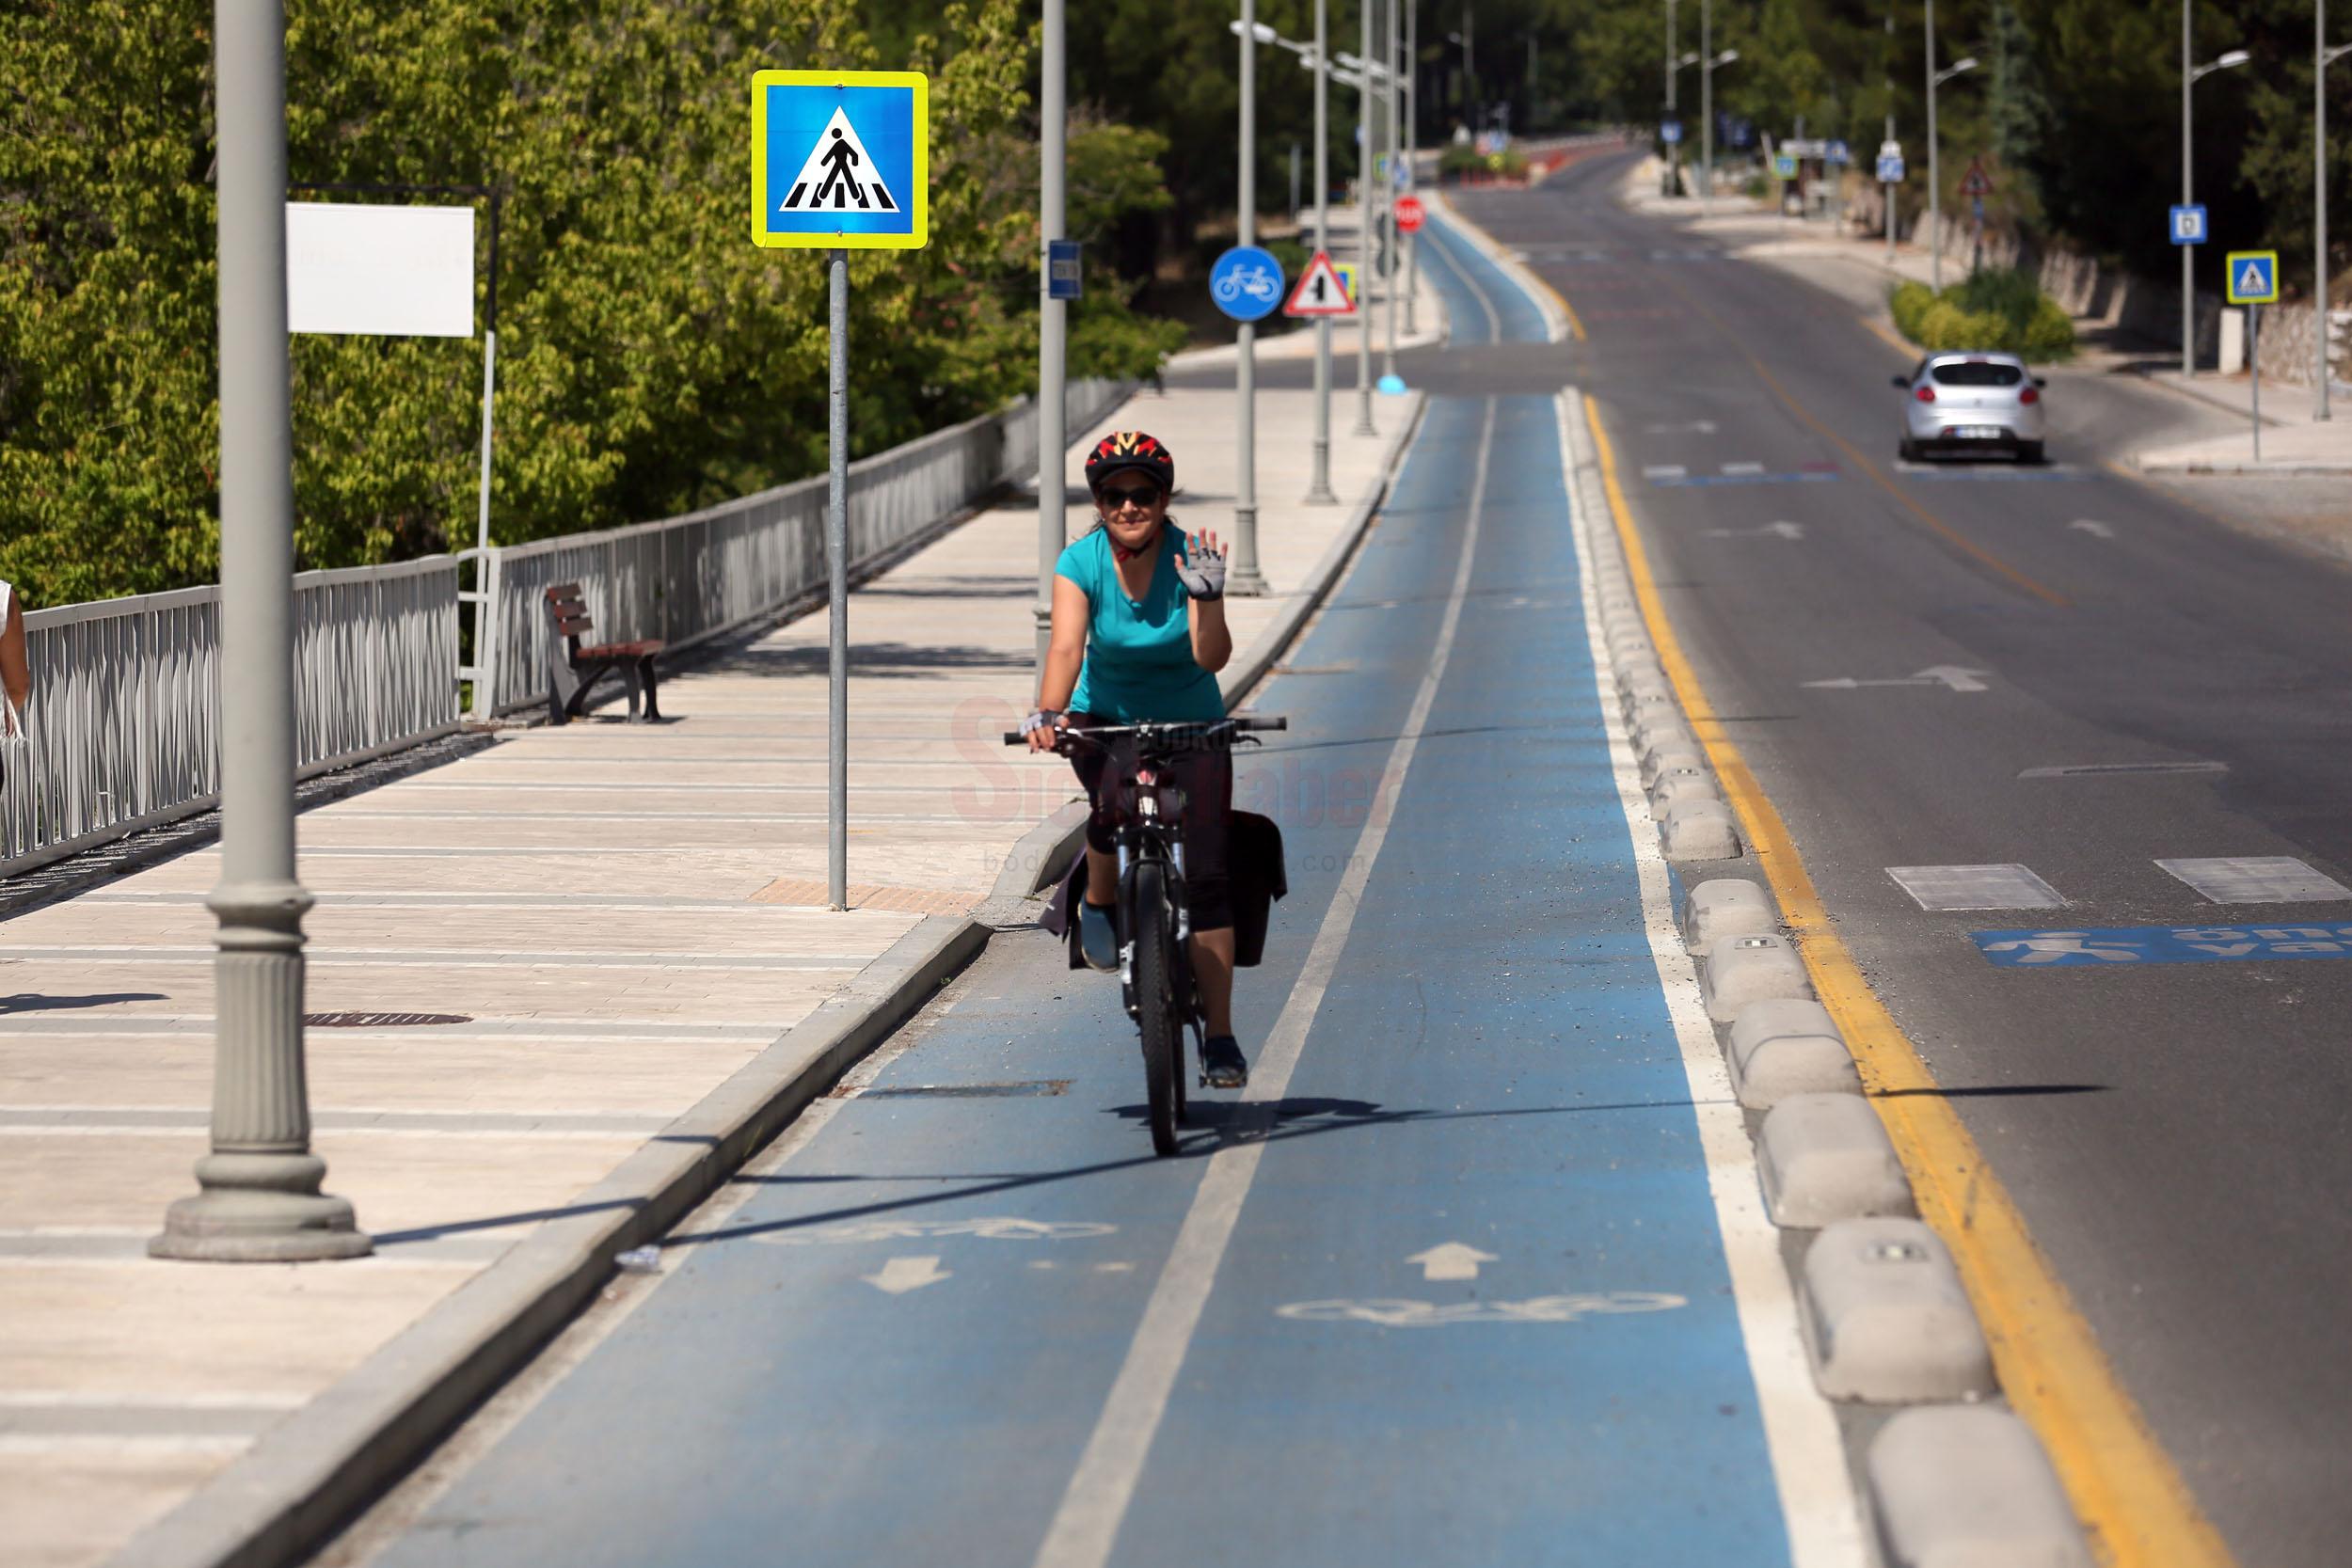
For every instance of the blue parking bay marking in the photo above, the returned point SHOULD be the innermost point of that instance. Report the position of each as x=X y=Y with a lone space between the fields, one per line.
x=2160 y=944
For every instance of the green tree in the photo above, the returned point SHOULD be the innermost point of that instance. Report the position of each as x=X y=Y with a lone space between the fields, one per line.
x=651 y=358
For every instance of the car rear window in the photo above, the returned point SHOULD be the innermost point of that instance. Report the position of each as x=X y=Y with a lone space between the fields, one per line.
x=1976 y=372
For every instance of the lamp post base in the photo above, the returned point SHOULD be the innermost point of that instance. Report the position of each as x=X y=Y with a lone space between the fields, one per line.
x=259 y=1208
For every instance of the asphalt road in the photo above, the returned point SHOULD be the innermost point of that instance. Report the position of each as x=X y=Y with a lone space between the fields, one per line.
x=1452 y=1283
x=2176 y=1134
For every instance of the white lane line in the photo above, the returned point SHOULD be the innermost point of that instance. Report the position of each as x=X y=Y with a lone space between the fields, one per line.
x=1976 y=887
x=1494 y=318
x=1736 y=468
x=2257 y=879
x=1801 y=1432
x=1085 y=1525
x=1665 y=471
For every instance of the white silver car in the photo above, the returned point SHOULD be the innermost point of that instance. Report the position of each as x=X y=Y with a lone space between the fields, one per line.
x=1972 y=402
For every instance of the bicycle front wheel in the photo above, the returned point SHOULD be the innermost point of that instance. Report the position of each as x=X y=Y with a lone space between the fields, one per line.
x=1156 y=1002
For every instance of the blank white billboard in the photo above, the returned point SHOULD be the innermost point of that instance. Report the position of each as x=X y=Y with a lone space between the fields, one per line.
x=386 y=272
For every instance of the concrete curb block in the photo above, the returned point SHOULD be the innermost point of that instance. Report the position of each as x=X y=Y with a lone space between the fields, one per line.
x=1823 y=1158
x=1786 y=1046
x=1968 y=1487
x=303 y=1479
x=1744 y=971
x=1726 y=906
x=1887 y=1319
x=1700 y=831
x=2224 y=468
x=1679 y=785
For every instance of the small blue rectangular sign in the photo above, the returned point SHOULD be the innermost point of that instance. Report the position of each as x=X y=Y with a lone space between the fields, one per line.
x=2188 y=225
x=1670 y=132
x=1890 y=169
x=1064 y=274
x=2160 y=944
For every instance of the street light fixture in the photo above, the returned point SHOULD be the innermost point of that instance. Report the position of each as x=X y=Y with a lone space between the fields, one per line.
x=1935 y=186
x=1708 y=68
x=2190 y=76
x=2319 y=181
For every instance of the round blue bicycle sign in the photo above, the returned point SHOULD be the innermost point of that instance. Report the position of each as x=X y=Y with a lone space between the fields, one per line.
x=1247 y=283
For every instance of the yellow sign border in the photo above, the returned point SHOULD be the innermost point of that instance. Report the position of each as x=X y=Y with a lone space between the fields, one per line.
x=768 y=239
x=2229 y=278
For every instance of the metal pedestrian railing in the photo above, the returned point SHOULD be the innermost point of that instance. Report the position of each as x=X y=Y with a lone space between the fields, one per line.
x=688 y=579
x=123 y=721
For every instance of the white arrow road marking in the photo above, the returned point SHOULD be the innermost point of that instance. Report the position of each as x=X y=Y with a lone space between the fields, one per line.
x=2093 y=527
x=1453 y=1260
x=1791 y=531
x=901 y=1275
x=1950 y=676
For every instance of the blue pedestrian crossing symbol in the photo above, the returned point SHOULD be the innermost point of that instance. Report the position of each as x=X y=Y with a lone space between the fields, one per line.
x=841 y=159
x=2253 y=276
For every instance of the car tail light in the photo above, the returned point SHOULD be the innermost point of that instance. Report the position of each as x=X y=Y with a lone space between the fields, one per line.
x=2029 y=395
x=1925 y=395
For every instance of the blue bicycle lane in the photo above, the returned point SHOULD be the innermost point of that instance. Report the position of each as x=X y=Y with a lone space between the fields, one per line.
x=1473 y=1307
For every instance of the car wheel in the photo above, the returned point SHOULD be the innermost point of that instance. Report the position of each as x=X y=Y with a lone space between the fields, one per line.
x=1907 y=450
x=2029 y=453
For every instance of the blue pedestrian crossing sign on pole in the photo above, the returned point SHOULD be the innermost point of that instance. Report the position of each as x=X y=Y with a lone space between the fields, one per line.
x=841 y=160
x=2188 y=224
x=1890 y=169
x=2253 y=276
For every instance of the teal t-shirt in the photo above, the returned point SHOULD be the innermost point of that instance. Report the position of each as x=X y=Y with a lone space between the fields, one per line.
x=1139 y=665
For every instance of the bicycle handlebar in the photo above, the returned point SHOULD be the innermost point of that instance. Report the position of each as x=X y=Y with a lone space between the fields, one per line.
x=1236 y=723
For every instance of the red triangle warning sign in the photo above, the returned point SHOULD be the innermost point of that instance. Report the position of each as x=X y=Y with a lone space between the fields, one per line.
x=1320 y=291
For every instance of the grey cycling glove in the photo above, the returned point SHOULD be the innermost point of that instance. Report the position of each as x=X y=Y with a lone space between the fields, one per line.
x=1200 y=569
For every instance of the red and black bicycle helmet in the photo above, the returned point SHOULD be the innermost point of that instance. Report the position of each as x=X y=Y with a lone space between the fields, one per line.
x=1124 y=450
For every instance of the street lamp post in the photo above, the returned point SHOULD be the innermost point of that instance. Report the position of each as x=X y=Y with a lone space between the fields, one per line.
x=1052 y=434
x=1674 y=149
x=1319 y=491
x=258 y=1198
x=2190 y=76
x=1935 y=178
x=2326 y=57
x=1412 y=162
x=1707 y=104
x=1364 y=227
x=1388 y=193
x=1245 y=582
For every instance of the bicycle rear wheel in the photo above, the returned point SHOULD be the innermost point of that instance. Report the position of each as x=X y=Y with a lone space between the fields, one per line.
x=1155 y=1003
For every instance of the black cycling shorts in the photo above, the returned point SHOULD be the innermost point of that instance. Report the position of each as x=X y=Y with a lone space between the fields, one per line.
x=1206 y=777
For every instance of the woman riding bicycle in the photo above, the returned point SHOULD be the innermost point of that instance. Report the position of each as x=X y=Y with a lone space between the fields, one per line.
x=1139 y=636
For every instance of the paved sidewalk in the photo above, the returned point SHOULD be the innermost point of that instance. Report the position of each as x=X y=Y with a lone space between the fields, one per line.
x=603 y=922
x=2294 y=446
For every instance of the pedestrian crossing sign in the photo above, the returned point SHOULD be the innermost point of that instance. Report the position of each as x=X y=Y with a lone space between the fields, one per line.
x=841 y=160
x=2253 y=276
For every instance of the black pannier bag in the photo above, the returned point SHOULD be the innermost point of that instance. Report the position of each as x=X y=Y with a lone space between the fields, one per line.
x=1255 y=874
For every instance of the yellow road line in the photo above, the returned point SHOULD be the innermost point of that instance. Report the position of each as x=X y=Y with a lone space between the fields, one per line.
x=1575 y=326
x=2123 y=1485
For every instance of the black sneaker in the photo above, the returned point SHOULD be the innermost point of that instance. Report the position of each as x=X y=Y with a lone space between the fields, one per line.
x=1222 y=1065
x=1098 y=943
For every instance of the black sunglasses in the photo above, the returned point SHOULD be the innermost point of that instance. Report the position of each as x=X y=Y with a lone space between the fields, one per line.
x=1144 y=497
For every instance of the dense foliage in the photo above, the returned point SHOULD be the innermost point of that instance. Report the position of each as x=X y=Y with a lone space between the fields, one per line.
x=1996 y=308
x=651 y=358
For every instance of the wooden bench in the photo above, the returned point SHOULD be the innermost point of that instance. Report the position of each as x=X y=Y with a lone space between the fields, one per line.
x=572 y=669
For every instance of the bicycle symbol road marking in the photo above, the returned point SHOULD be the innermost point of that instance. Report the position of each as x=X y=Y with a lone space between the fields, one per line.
x=1394 y=1313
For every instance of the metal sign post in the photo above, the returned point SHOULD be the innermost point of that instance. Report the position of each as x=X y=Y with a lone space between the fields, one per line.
x=1319 y=491
x=840 y=162
x=2252 y=280
x=1245 y=581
